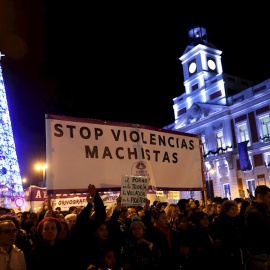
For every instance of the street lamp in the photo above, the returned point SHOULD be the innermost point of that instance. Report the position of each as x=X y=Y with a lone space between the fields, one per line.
x=43 y=168
x=207 y=171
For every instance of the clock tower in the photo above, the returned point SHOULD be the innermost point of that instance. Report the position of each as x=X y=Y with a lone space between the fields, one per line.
x=203 y=74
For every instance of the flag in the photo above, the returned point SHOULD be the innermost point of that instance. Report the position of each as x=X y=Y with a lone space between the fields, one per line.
x=243 y=156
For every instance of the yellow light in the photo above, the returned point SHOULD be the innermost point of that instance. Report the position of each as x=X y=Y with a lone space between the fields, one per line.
x=41 y=167
x=38 y=166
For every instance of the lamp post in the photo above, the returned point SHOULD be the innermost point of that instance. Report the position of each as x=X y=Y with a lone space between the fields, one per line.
x=207 y=171
x=43 y=168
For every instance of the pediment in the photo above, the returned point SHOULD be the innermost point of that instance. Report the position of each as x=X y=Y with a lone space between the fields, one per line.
x=197 y=112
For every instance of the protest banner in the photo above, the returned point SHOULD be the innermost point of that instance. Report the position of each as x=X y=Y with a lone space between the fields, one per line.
x=80 y=152
x=35 y=197
x=134 y=190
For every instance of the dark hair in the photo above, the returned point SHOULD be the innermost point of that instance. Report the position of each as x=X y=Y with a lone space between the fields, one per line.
x=156 y=213
x=227 y=204
x=262 y=190
x=238 y=200
x=72 y=208
x=218 y=200
x=197 y=217
x=29 y=222
x=182 y=204
x=160 y=204
x=12 y=218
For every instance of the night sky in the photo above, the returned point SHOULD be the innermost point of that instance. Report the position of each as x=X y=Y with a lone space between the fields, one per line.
x=114 y=63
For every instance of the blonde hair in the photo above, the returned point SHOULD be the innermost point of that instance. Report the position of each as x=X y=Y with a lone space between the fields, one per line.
x=169 y=210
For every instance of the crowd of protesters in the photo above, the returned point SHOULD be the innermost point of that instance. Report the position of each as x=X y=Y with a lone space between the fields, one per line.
x=223 y=234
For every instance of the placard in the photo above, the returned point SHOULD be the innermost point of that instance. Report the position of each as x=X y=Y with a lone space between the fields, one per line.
x=134 y=190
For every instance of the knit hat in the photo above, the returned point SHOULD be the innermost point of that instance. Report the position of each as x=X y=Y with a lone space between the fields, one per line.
x=136 y=220
x=41 y=223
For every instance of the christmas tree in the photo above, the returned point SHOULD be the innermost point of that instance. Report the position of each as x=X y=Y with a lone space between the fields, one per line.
x=11 y=189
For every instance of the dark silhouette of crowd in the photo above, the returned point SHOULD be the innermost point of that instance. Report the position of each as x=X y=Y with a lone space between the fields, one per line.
x=217 y=234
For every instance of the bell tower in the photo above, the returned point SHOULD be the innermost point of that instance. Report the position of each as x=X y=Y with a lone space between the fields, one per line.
x=203 y=73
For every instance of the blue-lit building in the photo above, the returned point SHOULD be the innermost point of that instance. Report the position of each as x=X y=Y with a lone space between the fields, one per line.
x=232 y=116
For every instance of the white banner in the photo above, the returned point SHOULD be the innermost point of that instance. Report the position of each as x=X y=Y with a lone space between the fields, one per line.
x=80 y=152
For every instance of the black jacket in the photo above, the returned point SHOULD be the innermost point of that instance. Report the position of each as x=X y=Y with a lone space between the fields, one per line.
x=257 y=233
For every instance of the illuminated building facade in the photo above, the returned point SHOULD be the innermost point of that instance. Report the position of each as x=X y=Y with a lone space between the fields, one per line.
x=227 y=112
x=11 y=189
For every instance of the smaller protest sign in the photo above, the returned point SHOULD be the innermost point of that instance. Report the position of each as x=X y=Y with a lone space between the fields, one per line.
x=134 y=190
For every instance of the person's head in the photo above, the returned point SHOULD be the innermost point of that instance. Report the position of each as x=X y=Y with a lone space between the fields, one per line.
x=202 y=203
x=209 y=209
x=8 y=233
x=172 y=211
x=217 y=207
x=160 y=219
x=161 y=206
x=101 y=231
x=72 y=210
x=71 y=220
x=137 y=227
x=132 y=212
x=262 y=195
x=155 y=203
x=182 y=222
x=29 y=226
x=107 y=257
x=64 y=233
x=229 y=207
x=58 y=209
x=123 y=213
x=48 y=229
x=184 y=206
x=191 y=201
x=201 y=220
x=3 y=211
x=20 y=217
x=197 y=203
x=141 y=213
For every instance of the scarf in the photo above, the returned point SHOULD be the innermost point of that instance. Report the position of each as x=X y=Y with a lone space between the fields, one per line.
x=166 y=232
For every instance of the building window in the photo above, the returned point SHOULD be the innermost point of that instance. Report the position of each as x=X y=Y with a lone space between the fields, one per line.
x=267 y=159
x=220 y=140
x=251 y=186
x=243 y=133
x=204 y=149
x=227 y=191
x=192 y=195
x=265 y=128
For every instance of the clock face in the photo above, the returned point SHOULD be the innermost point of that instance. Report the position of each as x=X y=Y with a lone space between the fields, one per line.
x=192 y=67
x=211 y=64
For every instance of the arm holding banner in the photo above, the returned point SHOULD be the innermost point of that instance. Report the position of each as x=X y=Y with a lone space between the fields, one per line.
x=115 y=215
x=147 y=214
x=88 y=214
x=49 y=212
x=100 y=213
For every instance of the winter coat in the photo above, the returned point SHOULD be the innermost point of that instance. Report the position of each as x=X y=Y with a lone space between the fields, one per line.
x=257 y=234
x=14 y=260
x=228 y=232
